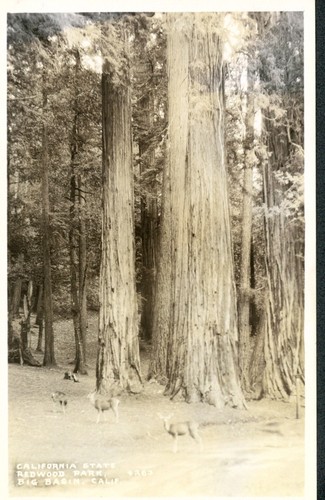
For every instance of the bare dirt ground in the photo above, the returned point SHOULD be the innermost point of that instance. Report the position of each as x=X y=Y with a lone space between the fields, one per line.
x=254 y=452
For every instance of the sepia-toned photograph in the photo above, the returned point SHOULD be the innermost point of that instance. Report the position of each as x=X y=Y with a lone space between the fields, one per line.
x=156 y=251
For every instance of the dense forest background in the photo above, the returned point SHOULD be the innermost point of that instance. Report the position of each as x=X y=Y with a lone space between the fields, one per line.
x=156 y=176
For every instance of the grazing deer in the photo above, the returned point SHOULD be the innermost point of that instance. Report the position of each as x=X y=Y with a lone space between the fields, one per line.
x=103 y=403
x=71 y=376
x=181 y=429
x=60 y=397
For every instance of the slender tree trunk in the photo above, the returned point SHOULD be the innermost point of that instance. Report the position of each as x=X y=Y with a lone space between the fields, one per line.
x=162 y=295
x=26 y=354
x=201 y=315
x=74 y=234
x=75 y=305
x=149 y=222
x=49 y=357
x=244 y=302
x=118 y=363
x=149 y=226
x=40 y=336
x=82 y=269
x=10 y=318
x=25 y=323
x=39 y=318
x=255 y=310
x=39 y=305
x=257 y=364
x=15 y=298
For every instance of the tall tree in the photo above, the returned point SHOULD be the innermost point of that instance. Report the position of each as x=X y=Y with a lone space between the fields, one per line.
x=49 y=356
x=250 y=161
x=76 y=235
x=149 y=124
x=283 y=203
x=244 y=301
x=201 y=307
x=149 y=218
x=118 y=363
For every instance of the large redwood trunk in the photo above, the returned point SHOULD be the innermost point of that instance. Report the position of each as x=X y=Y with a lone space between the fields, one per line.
x=200 y=312
x=284 y=297
x=283 y=327
x=118 y=363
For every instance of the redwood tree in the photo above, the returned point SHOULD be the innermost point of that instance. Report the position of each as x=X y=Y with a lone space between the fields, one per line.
x=118 y=363
x=283 y=325
x=200 y=310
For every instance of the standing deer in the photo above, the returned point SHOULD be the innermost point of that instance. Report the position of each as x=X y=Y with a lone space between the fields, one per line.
x=103 y=403
x=181 y=429
x=61 y=398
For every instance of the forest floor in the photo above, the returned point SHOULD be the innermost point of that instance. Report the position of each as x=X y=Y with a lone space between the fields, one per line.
x=254 y=452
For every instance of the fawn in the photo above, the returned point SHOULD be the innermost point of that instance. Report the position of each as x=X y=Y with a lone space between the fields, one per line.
x=181 y=429
x=103 y=403
x=60 y=397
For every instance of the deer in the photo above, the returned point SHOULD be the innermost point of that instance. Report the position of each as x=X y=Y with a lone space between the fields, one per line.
x=103 y=403
x=181 y=429
x=71 y=376
x=61 y=398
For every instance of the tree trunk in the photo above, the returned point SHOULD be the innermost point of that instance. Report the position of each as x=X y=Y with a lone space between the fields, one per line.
x=201 y=310
x=82 y=269
x=25 y=323
x=75 y=306
x=49 y=357
x=118 y=363
x=284 y=245
x=74 y=233
x=162 y=297
x=244 y=302
x=149 y=221
x=284 y=307
x=39 y=306
x=15 y=298
x=257 y=362
x=39 y=318
x=149 y=217
x=26 y=354
x=40 y=336
x=255 y=309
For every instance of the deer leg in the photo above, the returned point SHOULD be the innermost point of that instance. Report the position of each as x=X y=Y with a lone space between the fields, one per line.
x=98 y=417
